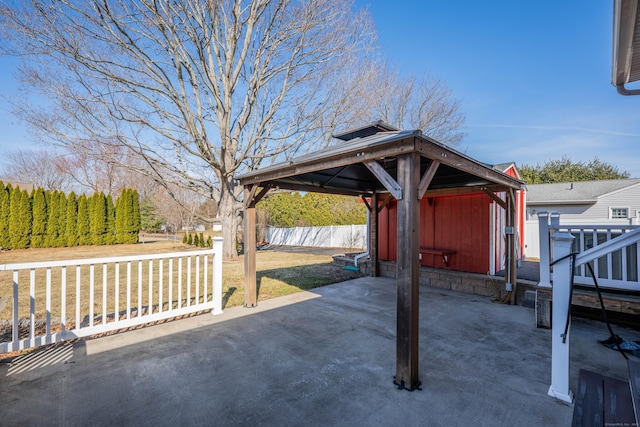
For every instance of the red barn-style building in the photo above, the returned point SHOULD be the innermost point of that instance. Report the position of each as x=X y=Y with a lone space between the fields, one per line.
x=463 y=232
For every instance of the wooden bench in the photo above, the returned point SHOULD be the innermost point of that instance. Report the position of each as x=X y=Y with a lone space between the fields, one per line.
x=444 y=253
x=602 y=401
x=605 y=401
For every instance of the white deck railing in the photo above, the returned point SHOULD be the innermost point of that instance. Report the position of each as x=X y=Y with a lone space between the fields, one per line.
x=600 y=254
x=59 y=300
x=615 y=269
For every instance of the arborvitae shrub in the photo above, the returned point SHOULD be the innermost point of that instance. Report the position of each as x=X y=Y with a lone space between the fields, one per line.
x=110 y=236
x=184 y=238
x=72 y=220
x=5 y=206
x=62 y=220
x=39 y=226
x=190 y=239
x=209 y=242
x=53 y=204
x=84 y=231
x=201 y=240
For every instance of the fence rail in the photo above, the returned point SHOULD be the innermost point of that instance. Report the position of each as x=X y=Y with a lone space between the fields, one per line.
x=59 y=300
x=615 y=269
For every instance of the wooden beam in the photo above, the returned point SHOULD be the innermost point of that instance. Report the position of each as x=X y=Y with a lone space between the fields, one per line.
x=385 y=202
x=373 y=236
x=407 y=274
x=341 y=159
x=249 y=230
x=261 y=194
x=385 y=179
x=459 y=191
x=248 y=196
x=434 y=150
x=427 y=178
x=495 y=198
x=311 y=188
x=364 y=200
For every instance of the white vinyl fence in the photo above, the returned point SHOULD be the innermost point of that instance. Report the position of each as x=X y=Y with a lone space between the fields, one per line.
x=59 y=300
x=334 y=236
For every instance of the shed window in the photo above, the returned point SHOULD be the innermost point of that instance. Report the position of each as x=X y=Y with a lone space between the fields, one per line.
x=619 y=213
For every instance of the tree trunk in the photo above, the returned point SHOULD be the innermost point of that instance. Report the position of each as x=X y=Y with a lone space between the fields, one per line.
x=228 y=213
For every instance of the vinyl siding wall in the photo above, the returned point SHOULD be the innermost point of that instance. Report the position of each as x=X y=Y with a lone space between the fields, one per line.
x=595 y=213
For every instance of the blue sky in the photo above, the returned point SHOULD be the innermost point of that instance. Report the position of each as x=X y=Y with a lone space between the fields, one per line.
x=532 y=78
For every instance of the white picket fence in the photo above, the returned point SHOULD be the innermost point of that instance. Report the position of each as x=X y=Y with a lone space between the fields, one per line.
x=107 y=294
x=332 y=236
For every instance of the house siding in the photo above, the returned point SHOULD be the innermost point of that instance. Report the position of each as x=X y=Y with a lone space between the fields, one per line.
x=626 y=198
x=595 y=213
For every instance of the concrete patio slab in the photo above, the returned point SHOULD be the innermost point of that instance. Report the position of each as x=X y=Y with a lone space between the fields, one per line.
x=325 y=357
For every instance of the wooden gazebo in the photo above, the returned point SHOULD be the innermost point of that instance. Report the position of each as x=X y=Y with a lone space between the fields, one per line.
x=379 y=162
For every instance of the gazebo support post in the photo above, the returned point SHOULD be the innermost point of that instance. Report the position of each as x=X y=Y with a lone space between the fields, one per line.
x=407 y=273
x=373 y=236
x=511 y=273
x=249 y=231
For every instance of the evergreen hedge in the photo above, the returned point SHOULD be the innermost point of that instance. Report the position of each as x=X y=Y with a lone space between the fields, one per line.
x=49 y=219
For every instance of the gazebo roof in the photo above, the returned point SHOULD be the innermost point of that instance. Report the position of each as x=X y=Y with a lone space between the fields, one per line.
x=345 y=168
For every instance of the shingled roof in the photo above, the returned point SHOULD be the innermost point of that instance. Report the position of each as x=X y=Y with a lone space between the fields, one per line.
x=584 y=192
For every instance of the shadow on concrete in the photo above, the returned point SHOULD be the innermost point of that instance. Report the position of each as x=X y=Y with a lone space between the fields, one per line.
x=325 y=357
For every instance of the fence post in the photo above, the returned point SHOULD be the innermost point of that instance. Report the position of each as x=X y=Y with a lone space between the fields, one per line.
x=217 y=276
x=543 y=236
x=559 y=388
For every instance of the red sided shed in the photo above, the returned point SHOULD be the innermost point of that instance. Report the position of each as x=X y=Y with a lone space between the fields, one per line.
x=463 y=232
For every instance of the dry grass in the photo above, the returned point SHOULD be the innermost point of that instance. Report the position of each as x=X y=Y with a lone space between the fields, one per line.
x=279 y=273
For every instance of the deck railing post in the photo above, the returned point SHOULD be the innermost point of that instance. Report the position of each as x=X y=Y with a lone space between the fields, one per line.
x=559 y=388
x=217 y=276
x=543 y=235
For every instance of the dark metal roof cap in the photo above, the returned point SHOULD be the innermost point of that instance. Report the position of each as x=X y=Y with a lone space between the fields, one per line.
x=364 y=131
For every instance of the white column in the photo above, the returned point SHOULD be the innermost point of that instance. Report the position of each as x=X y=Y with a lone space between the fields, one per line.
x=560 y=311
x=217 y=276
x=543 y=236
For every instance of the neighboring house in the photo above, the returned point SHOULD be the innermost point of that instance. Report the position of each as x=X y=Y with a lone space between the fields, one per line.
x=589 y=202
x=605 y=202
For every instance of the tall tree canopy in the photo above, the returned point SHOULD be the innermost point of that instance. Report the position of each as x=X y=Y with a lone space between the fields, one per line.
x=202 y=90
x=565 y=170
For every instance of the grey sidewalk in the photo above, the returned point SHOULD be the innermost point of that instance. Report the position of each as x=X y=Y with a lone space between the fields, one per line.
x=325 y=357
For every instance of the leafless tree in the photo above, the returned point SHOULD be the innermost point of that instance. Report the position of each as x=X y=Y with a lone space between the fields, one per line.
x=411 y=102
x=42 y=168
x=200 y=90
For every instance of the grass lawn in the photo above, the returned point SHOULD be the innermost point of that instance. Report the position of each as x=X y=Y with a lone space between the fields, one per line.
x=279 y=272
